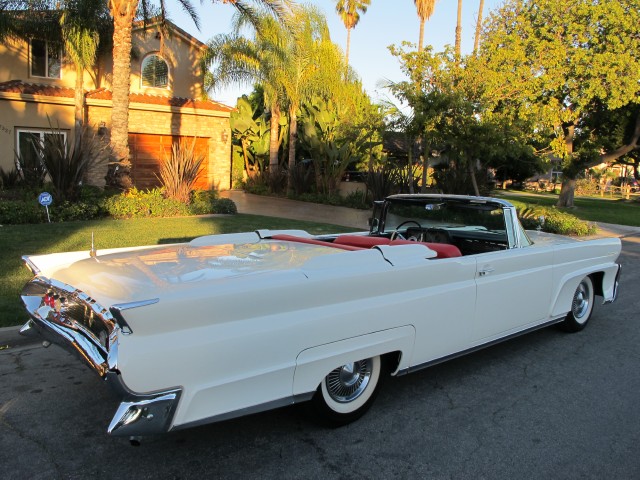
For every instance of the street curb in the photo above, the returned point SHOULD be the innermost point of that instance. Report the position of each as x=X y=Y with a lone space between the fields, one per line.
x=10 y=337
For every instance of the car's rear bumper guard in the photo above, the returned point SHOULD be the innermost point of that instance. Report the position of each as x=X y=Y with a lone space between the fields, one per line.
x=95 y=342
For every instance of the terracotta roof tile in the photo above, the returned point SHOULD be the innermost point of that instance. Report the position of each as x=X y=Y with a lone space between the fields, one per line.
x=18 y=86
x=104 y=94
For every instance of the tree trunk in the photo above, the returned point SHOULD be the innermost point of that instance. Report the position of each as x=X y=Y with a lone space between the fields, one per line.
x=78 y=108
x=474 y=181
x=293 y=136
x=122 y=23
x=274 y=144
x=459 y=32
x=568 y=175
x=476 y=41
x=421 y=36
x=567 y=192
x=123 y=14
x=348 y=48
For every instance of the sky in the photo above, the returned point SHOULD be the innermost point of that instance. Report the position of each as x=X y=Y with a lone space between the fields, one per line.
x=387 y=22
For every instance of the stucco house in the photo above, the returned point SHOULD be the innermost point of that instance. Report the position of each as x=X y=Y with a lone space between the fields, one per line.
x=166 y=102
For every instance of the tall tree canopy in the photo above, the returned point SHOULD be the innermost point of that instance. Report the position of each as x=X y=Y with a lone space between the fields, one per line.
x=564 y=64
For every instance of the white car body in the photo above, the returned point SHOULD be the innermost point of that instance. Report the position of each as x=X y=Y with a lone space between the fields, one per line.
x=227 y=325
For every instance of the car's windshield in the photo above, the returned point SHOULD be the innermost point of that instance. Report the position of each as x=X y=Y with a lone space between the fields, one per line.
x=450 y=215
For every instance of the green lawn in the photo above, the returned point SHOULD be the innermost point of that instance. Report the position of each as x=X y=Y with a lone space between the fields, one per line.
x=18 y=240
x=593 y=209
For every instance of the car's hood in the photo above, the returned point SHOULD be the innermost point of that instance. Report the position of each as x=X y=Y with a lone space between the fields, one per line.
x=159 y=271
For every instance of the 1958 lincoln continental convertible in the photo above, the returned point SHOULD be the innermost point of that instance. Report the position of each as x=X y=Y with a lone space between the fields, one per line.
x=227 y=325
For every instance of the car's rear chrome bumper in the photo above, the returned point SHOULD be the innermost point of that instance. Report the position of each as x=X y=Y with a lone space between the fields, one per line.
x=67 y=317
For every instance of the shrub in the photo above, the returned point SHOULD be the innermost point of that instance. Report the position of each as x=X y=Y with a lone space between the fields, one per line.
x=180 y=171
x=14 y=212
x=585 y=186
x=206 y=202
x=70 y=211
x=555 y=221
x=9 y=179
x=68 y=167
x=136 y=204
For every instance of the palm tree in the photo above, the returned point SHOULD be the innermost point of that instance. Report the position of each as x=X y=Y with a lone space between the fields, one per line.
x=476 y=41
x=292 y=62
x=311 y=63
x=123 y=13
x=235 y=59
x=81 y=23
x=425 y=9
x=349 y=11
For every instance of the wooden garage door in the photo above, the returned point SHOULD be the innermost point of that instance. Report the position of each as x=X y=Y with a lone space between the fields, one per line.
x=149 y=151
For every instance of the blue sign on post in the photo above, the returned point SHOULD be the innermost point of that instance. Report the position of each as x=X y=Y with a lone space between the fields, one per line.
x=45 y=200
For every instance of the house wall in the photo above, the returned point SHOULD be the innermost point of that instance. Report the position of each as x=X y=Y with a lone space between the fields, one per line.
x=14 y=59
x=159 y=120
x=30 y=112
x=182 y=55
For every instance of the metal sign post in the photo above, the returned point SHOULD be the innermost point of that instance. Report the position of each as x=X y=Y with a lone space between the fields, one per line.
x=45 y=200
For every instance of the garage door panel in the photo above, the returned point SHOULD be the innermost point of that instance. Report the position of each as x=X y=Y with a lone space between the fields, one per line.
x=149 y=151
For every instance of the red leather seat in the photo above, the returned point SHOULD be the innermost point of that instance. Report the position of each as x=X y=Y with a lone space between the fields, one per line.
x=444 y=250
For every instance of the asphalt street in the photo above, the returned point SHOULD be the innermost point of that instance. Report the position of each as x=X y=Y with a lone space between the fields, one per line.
x=546 y=405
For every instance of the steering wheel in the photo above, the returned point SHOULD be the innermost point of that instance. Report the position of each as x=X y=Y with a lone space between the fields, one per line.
x=396 y=232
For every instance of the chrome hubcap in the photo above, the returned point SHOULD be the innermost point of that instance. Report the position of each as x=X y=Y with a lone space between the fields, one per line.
x=581 y=299
x=348 y=382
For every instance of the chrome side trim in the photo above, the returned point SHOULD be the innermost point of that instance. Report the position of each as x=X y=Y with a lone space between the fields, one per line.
x=430 y=363
x=117 y=309
x=30 y=265
x=282 y=402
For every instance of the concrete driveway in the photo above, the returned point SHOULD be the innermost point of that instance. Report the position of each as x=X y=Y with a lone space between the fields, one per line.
x=546 y=405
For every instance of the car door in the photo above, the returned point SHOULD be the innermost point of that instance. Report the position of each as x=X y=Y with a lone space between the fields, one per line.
x=513 y=291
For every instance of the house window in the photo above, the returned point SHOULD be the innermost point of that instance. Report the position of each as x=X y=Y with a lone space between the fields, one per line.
x=155 y=72
x=29 y=142
x=46 y=59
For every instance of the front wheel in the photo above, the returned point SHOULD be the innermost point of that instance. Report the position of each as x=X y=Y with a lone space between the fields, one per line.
x=347 y=392
x=581 y=307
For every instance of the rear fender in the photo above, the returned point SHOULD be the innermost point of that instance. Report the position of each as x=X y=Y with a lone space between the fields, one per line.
x=604 y=279
x=313 y=364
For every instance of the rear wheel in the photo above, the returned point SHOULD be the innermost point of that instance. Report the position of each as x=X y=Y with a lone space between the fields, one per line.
x=581 y=307
x=347 y=392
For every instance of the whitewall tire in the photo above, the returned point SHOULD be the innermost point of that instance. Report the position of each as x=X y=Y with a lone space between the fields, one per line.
x=581 y=307
x=348 y=391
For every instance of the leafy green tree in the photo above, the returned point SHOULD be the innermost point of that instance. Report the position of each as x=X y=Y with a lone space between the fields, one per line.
x=446 y=96
x=251 y=130
x=349 y=12
x=562 y=65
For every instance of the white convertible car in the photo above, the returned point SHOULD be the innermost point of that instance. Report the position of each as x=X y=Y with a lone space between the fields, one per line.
x=227 y=325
